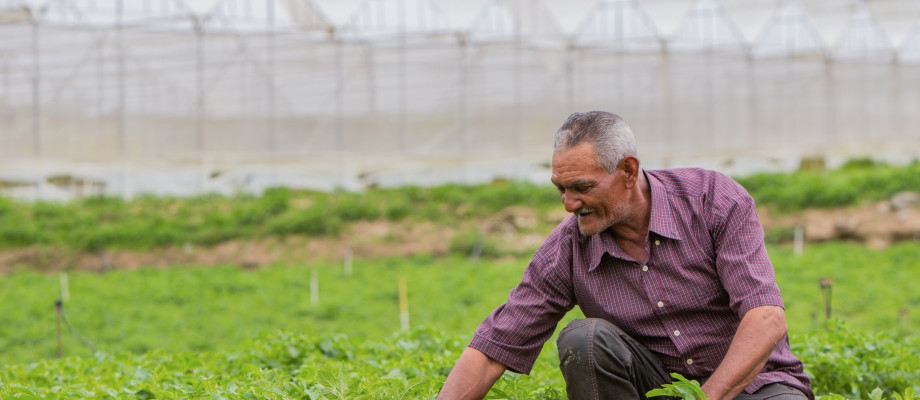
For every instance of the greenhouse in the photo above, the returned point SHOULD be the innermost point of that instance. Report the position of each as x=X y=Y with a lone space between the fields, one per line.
x=173 y=97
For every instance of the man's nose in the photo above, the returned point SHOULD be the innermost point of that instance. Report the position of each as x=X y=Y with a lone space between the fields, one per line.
x=571 y=202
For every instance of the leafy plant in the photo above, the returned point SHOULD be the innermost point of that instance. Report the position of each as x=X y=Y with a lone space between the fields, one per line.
x=681 y=388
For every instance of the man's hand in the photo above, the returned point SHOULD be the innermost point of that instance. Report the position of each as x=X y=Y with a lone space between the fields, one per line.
x=472 y=376
x=758 y=333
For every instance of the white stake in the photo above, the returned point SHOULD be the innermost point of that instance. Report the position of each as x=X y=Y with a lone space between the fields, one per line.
x=65 y=287
x=799 y=244
x=347 y=265
x=314 y=287
x=403 y=305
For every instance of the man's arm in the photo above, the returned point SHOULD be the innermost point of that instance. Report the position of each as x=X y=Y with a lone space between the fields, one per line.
x=472 y=376
x=758 y=333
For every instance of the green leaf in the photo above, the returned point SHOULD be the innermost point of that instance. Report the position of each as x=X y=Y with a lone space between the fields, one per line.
x=681 y=388
x=658 y=392
x=876 y=394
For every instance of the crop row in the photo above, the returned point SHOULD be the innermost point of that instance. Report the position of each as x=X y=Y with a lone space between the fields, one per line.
x=147 y=222
x=177 y=332
x=409 y=365
x=189 y=308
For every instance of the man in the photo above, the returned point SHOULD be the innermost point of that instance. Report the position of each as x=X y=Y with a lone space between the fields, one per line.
x=670 y=268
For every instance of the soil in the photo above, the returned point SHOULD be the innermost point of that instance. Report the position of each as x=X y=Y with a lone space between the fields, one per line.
x=516 y=229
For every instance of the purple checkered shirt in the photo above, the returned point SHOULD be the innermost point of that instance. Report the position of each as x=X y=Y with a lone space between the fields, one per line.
x=706 y=267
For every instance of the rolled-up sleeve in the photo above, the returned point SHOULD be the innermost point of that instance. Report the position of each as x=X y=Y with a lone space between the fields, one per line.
x=741 y=258
x=514 y=333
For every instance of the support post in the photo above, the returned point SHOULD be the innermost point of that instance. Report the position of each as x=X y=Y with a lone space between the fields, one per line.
x=314 y=287
x=347 y=263
x=403 y=305
x=57 y=310
x=826 y=285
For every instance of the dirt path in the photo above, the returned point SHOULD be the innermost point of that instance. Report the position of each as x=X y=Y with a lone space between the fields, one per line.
x=516 y=229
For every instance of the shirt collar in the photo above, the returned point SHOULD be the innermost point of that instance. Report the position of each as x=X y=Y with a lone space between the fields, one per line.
x=661 y=223
x=662 y=220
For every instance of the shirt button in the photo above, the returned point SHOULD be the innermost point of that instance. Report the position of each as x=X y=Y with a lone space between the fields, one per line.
x=660 y=304
x=657 y=242
x=689 y=361
x=676 y=333
x=645 y=268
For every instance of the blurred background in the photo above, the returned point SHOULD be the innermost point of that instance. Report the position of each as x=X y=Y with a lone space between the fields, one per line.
x=324 y=159
x=177 y=97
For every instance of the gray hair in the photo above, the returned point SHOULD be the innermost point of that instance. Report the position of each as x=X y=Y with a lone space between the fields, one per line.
x=611 y=136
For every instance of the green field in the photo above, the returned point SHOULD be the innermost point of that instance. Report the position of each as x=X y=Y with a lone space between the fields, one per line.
x=227 y=332
x=106 y=223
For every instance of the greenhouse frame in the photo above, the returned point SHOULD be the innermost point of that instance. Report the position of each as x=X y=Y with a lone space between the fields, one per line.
x=173 y=97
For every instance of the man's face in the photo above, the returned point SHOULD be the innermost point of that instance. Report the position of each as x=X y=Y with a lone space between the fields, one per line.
x=596 y=197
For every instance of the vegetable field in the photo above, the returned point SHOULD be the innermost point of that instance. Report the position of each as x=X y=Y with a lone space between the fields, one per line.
x=387 y=328
x=318 y=332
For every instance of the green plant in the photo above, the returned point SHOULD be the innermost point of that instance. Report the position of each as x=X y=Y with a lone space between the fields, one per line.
x=681 y=388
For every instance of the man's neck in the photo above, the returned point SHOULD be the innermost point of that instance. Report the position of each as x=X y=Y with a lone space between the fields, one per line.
x=635 y=229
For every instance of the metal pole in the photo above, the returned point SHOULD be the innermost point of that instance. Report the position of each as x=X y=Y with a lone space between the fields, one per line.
x=6 y=81
x=402 y=76
x=272 y=116
x=199 y=87
x=517 y=86
x=897 y=99
x=830 y=103
x=667 y=81
x=371 y=82
x=36 y=91
x=119 y=36
x=36 y=106
x=752 y=118
x=462 y=89
x=199 y=104
x=122 y=140
x=570 y=76
x=340 y=141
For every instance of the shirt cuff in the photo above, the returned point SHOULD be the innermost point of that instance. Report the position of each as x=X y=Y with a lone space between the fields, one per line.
x=514 y=358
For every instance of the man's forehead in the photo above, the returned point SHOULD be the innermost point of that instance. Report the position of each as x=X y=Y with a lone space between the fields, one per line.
x=574 y=174
x=574 y=160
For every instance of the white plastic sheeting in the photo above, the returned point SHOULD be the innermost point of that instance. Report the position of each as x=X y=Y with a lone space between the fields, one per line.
x=328 y=93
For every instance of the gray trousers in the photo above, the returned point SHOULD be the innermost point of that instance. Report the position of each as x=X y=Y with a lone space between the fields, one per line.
x=600 y=361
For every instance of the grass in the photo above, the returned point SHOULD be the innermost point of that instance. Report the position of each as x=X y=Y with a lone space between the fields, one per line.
x=149 y=222
x=189 y=332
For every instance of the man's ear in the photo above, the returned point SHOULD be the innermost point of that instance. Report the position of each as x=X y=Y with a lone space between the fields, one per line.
x=630 y=166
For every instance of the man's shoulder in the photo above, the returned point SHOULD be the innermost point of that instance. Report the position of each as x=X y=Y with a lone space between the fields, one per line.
x=562 y=240
x=567 y=230
x=696 y=182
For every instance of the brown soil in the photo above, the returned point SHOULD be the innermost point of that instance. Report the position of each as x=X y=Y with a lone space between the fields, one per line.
x=516 y=229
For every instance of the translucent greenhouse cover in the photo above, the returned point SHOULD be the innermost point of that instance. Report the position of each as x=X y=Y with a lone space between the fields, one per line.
x=184 y=96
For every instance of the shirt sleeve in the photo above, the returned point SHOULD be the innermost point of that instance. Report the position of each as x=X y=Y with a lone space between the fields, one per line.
x=514 y=333
x=741 y=256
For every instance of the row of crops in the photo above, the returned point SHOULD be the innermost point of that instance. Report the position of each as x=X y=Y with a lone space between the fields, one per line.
x=99 y=223
x=409 y=365
x=319 y=332
x=328 y=332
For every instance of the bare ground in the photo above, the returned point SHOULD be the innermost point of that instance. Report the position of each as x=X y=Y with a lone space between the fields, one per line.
x=516 y=229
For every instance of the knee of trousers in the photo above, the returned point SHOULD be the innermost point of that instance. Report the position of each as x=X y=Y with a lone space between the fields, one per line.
x=594 y=340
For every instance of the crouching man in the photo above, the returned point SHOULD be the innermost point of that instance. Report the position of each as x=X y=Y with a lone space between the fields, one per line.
x=668 y=266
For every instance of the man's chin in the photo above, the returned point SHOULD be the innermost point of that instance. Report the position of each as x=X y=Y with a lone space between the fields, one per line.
x=587 y=230
x=592 y=226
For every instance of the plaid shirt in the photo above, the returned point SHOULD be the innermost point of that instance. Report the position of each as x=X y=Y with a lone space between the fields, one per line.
x=706 y=267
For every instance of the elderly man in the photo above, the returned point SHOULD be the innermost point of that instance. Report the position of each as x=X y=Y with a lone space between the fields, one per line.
x=668 y=266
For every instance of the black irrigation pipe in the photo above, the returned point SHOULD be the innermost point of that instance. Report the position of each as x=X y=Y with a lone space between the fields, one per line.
x=59 y=310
